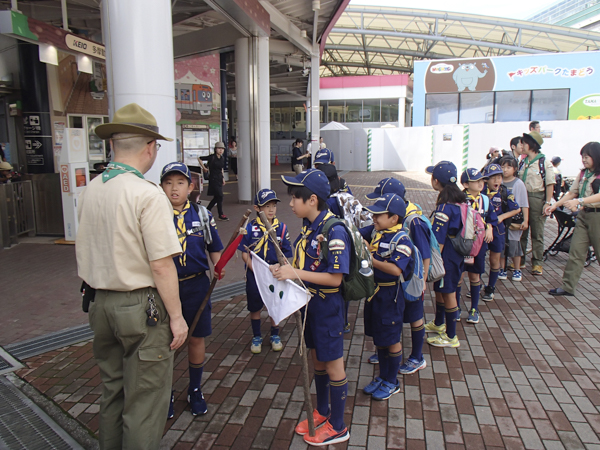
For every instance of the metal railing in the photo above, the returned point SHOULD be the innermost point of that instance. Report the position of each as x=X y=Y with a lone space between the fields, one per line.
x=16 y=212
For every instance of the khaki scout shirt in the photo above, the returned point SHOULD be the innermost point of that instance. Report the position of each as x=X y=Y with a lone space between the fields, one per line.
x=123 y=225
x=534 y=181
x=575 y=188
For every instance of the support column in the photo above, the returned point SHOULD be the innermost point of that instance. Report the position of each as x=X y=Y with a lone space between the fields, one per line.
x=139 y=65
x=315 y=61
x=264 y=106
x=402 y=112
x=242 y=95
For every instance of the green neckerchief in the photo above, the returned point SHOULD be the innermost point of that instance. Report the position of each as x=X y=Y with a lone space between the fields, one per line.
x=586 y=178
x=113 y=169
x=528 y=164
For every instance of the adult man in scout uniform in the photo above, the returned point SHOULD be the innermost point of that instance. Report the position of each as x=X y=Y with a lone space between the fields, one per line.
x=125 y=248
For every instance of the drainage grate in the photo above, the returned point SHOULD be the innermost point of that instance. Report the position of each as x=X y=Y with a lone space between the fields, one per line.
x=4 y=364
x=24 y=425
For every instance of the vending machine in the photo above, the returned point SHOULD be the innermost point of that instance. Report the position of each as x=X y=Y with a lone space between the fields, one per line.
x=74 y=176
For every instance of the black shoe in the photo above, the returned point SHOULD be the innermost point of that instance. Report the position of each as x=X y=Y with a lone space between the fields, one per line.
x=560 y=291
x=223 y=217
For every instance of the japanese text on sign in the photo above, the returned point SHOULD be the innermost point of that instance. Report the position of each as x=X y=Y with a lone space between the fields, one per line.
x=557 y=72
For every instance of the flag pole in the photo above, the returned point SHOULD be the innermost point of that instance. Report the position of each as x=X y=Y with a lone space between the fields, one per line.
x=212 y=286
x=306 y=380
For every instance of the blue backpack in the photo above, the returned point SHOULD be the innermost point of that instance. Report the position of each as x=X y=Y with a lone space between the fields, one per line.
x=436 y=263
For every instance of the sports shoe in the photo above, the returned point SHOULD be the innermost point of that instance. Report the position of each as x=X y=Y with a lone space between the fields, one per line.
x=431 y=327
x=223 y=217
x=511 y=266
x=386 y=390
x=488 y=294
x=502 y=275
x=347 y=328
x=523 y=265
x=560 y=291
x=171 y=413
x=374 y=359
x=411 y=365
x=197 y=403
x=372 y=386
x=442 y=340
x=537 y=270
x=326 y=435
x=473 y=316
x=276 y=344
x=302 y=427
x=468 y=294
x=517 y=275
x=256 y=346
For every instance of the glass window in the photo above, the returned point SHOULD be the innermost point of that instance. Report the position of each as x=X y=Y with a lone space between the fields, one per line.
x=370 y=111
x=550 y=104
x=354 y=111
x=512 y=106
x=336 y=111
x=476 y=107
x=441 y=109
x=389 y=109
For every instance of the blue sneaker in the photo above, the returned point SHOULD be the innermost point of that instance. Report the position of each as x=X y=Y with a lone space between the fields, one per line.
x=412 y=365
x=347 y=328
x=473 y=316
x=517 y=275
x=386 y=390
x=374 y=359
x=171 y=407
x=502 y=275
x=373 y=386
x=197 y=403
x=276 y=344
x=256 y=345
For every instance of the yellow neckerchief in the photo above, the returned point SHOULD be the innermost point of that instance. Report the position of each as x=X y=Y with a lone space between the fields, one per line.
x=264 y=240
x=411 y=208
x=182 y=232
x=379 y=235
x=491 y=193
x=476 y=199
x=300 y=248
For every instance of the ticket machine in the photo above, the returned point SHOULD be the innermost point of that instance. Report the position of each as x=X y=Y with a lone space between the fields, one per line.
x=74 y=176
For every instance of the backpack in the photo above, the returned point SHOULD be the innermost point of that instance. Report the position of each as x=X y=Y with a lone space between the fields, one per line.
x=204 y=223
x=436 y=263
x=352 y=210
x=355 y=285
x=470 y=238
x=415 y=284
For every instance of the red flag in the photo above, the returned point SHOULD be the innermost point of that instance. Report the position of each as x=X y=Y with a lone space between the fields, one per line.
x=226 y=256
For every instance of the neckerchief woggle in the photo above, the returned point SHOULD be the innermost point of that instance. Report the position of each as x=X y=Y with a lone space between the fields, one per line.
x=528 y=164
x=114 y=169
x=263 y=242
x=300 y=249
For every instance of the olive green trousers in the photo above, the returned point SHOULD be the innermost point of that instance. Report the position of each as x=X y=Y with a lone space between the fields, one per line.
x=537 y=221
x=587 y=232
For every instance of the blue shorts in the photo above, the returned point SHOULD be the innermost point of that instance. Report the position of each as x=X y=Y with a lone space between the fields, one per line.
x=454 y=265
x=191 y=293
x=413 y=311
x=255 y=302
x=383 y=316
x=497 y=245
x=325 y=322
x=478 y=265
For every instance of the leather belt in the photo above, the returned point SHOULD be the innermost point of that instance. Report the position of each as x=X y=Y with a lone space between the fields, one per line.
x=587 y=209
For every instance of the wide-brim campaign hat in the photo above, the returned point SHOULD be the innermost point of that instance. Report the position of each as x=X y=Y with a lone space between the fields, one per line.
x=132 y=119
x=5 y=166
x=534 y=136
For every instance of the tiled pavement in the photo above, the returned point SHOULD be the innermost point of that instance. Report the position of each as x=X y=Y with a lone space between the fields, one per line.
x=525 y=377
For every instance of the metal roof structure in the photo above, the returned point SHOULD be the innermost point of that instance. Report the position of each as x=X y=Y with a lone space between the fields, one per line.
x=381 y=40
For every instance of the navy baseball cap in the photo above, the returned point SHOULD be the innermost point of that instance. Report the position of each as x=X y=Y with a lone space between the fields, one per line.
x=313 y=179
x=324 y=156
x=388 y=203
x=176 y=167
x=444 y=171
x=491 y=170
x=471 y=175
x=265 y=196
x=387 y=186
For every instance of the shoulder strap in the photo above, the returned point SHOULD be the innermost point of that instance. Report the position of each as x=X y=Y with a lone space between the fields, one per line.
x=542 y=163
x=394 y=243
x=486 y=203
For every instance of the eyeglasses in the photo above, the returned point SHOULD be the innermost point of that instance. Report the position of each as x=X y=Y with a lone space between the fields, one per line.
x=157 y=144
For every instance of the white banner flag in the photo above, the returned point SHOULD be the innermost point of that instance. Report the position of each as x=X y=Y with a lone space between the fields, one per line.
x=282 y=298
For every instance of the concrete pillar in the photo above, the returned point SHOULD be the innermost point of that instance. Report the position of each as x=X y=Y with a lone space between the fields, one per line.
x=402 y=112
x=264 y=107
x=139 y=65
x=314 y=101
x=242 y=95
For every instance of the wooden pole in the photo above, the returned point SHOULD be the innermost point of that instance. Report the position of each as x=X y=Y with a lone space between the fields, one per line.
x=306 y=380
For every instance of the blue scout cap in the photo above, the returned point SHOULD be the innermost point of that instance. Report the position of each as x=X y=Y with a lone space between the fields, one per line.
x=387 y=186
x=176 y=167
x=388 y=203
x=444 y=171
x=324 y=156
x=313 y=179
x=471 y=175
x=265 y=196
x=491 y=170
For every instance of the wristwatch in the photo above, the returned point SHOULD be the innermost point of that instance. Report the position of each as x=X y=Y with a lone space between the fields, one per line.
x=580 y=200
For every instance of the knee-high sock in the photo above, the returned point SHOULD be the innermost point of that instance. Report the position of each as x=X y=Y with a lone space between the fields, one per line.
x=195 y=376
x=440 y=312
x=451 y=321
x=418 y=337
x=339 y=393
x=322 y=387
x=394 y=364
x=475 y=290
x=255 y=327
x=274 y=331
x=384 y=361
x=494 y=277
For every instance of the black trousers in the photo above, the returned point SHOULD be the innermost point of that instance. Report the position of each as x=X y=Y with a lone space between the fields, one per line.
x=217 y=200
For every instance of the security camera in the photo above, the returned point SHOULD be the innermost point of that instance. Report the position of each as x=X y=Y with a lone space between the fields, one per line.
x=305 y=72
x=289 y=68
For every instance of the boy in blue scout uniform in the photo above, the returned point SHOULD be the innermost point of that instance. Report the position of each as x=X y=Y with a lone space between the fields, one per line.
x=198 y=235
x=325 y=311
x=447 y=222
x=413 y=311
x=257 y=240
x=472 y=180
x=384 y=311
x=324 y=156
x=496 y=191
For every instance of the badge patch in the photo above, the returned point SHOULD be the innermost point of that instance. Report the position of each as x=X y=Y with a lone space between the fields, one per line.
x=255 y=234
x=404 y=249
x=441 y=217
x=337 y=244
x=255 y=228
x=314 y=244
x=213 y=223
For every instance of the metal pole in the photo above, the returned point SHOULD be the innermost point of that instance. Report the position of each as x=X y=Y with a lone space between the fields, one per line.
x=65 y=18
x=13 y=5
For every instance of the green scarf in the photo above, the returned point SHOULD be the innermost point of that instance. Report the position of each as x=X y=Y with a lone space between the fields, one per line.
x=528 y=164
x=586 y=178
x=113 y=169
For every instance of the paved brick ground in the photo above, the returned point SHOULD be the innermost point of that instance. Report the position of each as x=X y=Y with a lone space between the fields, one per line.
x=525 y=377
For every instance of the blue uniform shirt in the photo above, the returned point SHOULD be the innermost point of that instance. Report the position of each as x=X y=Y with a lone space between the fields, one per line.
x=196 y=259
x=307 y=248
x=255 y=242
x=496 y=201
x=334 y=207
x=447 y=222
x=403 y=255
x=419 y=233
